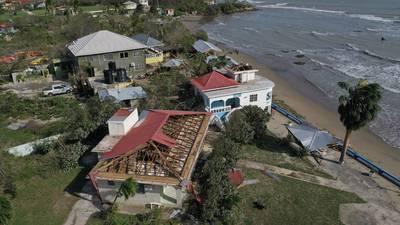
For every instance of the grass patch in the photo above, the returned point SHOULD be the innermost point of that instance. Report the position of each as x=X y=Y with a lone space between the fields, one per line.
x=290 y=201
x=272 y=150
x=42 y=200
x=10 y=138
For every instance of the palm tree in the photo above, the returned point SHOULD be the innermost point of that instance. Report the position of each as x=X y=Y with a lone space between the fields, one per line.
x=5 y=210
x=75 y=6
x=127 y=189
x=50 y=6
x=357 y=107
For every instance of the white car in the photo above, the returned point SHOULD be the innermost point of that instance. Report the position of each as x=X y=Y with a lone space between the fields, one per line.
x=57 y=89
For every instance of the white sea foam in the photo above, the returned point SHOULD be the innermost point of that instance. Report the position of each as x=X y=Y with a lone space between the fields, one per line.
x=358 y=16
x=254 y=2
x=251 y=29
x=322 y=33
x=371 y=18
x=354 y=65
x=372 y=54
x=285 y=6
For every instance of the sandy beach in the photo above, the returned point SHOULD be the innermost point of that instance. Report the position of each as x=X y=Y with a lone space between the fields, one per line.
x=321 y=116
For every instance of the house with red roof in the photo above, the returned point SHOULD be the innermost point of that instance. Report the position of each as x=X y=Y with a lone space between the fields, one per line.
x=238 y=87
x=158 y=149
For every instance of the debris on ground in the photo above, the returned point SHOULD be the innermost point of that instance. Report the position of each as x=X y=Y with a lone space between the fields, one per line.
x=271 y=174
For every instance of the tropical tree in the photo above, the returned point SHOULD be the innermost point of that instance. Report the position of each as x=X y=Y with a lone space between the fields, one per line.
x=357 y=107
x=238 y=129
x=50 y=6
x=5 y=210
x=127 y=189
x=257 y=118
x=75 y=5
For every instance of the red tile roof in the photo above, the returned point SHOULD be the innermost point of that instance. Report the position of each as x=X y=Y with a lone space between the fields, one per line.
x=148 y=130
x=8 y=58
x=213 y=81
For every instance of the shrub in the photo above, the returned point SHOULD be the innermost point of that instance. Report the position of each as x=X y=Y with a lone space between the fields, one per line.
x=201 y=34
x=43 y=148
x=5 y=210
x=238 y=129
x=257 y=118
x=68 y=155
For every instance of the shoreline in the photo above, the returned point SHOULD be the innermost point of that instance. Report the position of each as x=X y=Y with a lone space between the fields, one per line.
x=320 y=115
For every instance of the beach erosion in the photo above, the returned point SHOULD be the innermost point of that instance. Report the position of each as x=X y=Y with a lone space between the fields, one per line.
x=309 y=101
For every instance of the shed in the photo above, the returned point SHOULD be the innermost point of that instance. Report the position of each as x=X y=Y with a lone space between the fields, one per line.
x=205 y=47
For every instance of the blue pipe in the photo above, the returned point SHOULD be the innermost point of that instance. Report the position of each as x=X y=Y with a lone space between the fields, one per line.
x=350 y=152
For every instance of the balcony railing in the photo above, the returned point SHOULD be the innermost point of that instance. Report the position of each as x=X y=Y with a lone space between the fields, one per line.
x=219 y=109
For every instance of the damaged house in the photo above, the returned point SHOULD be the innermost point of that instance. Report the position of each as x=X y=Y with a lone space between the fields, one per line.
x=159 y=149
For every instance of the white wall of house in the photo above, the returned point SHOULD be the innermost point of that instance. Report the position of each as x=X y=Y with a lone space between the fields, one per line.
x=264 y=98
x=119 y=128
x=168 y=196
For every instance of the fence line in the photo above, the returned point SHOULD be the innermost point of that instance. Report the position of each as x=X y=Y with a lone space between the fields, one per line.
x=350 y=152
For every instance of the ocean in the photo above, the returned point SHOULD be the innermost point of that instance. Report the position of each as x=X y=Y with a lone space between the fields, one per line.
x=339 y=40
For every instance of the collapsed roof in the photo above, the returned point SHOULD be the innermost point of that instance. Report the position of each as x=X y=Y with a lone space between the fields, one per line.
x=162 y=149
x=311 y=138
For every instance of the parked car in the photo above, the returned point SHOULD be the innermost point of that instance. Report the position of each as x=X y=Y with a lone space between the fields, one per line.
x=57 y=89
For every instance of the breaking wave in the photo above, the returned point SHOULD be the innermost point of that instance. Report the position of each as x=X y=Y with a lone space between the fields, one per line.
x=372 y=54
x=359 y=16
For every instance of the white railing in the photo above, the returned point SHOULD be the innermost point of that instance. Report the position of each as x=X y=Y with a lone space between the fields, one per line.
x=219 y=109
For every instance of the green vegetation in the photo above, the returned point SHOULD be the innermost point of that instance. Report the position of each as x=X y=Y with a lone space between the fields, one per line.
x=5 y=210
x=279 y=154
x=219 y=196
x=200 y=7
x=289 y=201
x=39 y=177
x=359 y=106
x=111 y=217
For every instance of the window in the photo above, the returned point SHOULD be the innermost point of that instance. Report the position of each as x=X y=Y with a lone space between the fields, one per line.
x=253 y=98
x=137 y=53
x=111 y=183
x=269 y=95
x=123 y=55
x=108 y=57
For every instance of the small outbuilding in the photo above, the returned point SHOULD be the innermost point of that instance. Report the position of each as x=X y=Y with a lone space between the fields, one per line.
x=205 y=47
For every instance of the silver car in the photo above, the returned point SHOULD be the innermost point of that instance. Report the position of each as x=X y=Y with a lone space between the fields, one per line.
x=57 y=89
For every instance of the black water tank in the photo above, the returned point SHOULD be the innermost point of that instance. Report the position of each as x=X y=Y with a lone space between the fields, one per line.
x=121 y=75
x=112 y=66
x=108 y=77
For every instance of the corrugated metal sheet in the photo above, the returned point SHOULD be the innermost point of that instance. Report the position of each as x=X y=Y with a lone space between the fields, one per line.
x=103 y=41
x=121 y=94
x=204 y=46
x=310 y=137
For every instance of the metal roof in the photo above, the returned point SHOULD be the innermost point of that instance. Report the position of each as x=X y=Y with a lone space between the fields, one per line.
x=173 y=63
x=311 y=138
x=147 y=40
x=103 y=41
x=121 y=94
x=204 y=46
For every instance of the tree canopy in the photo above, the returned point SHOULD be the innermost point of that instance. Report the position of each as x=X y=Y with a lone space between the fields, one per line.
x=357 y=107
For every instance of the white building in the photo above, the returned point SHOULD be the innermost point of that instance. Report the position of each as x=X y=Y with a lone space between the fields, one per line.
x=129 y=5
x=239 y=87
x=144 y=2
